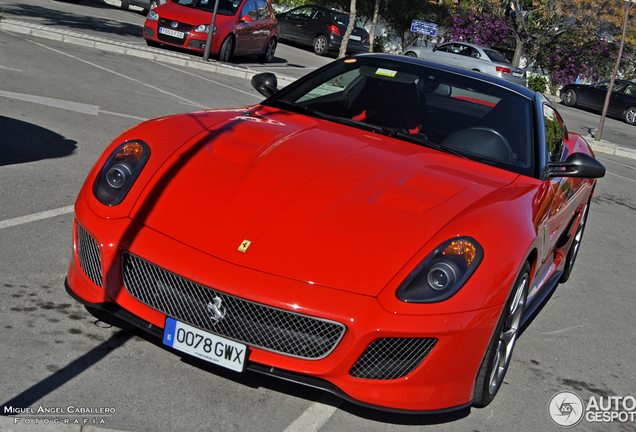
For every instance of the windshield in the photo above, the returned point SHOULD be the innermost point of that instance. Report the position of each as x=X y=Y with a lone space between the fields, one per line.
x=226 y=7
x=496 y=56
x=423 y=105
x=342 y=19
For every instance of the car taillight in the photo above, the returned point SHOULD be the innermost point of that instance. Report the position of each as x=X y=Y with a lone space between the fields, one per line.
x=503 y=70
x=367 y=39
x=333 y=29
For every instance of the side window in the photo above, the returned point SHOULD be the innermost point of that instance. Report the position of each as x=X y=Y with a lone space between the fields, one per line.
x=474 y=53
x=630 y=90
x=249 y=9
x=554 y=131
x=262 y=10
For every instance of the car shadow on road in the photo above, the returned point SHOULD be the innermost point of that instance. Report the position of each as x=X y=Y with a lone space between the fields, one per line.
x=52 y=17
x=22 y=142
x=255 y=380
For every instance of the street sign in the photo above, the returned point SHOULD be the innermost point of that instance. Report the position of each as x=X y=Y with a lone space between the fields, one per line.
x=423 y=27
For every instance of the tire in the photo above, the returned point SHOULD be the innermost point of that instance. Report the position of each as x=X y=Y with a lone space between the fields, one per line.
x=125 y=4
x=411 y=54
x=226 y=49
x=153 y=4
x=321 y=45
x=569 y=98
x=495 y=364
x=574 y=247
x=270 y=50
x=630 y=116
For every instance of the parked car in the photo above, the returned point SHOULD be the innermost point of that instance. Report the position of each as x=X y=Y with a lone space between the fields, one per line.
x=473 y=57
x=622 y=102
x=322 y=28
x=146 y=4
x=242 y=27
x=380 y=229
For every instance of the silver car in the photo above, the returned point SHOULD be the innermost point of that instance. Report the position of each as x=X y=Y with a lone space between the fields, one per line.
x=471 y=56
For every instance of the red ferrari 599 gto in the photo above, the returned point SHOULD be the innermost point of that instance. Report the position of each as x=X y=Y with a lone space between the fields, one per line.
x=380 y=228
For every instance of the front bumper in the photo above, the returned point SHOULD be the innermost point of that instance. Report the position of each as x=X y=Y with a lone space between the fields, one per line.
x=442 y=381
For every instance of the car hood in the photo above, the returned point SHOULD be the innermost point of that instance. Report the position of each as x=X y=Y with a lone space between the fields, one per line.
x=317 y=201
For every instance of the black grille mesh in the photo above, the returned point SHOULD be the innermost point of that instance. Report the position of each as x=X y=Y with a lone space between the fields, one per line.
x=89 y=257
x=391 y=358
x=245 y=321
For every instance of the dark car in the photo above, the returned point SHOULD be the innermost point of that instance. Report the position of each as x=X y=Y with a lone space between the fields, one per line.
x=622 y=102
x=322 y=28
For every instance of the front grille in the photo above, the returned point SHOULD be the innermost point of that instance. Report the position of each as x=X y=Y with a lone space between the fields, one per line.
x=180 y=26
x=391 y=358
x=252 y=323
x=89 y=257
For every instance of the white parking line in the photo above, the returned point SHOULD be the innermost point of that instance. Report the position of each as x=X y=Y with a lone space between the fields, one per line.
x=315 y=416
x=55 y=103
x=36 y=217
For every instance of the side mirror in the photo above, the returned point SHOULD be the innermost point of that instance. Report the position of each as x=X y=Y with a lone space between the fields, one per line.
x=578 y=165
x=246 y=18
x=265 y=83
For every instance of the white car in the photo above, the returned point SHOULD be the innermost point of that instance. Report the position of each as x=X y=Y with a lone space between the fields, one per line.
x=473 y=57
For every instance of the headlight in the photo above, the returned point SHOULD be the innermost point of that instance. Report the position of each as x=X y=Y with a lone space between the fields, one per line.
x=120 y=172
x=153 y=16
x=443 y=272
x=204 y=28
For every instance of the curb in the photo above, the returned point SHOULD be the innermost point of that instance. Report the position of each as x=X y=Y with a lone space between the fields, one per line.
x=8 y=424
x=214 y=66
x=157 y=54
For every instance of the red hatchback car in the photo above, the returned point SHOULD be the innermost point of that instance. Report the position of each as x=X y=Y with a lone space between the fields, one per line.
x=242 y=27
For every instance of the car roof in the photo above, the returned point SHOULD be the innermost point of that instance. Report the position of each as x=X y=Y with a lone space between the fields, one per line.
x=524 y=91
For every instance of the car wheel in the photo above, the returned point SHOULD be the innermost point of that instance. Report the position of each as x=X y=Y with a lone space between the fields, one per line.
x=125 y=4
x=630 y=115
x=153 y=4
x=495 y=364
x=410 y=54
x=270 y=50
x=569 y=98
x=226 y=49
x=321 y=45
x=574 y=248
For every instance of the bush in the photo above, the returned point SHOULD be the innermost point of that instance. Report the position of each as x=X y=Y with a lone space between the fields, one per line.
x=537 y=83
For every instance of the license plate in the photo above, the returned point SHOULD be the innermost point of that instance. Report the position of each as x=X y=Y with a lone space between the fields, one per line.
x=206 y=346
x=170 y=32
x=517 y=74
x=355 y=38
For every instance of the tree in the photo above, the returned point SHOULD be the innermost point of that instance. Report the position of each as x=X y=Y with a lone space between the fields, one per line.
x=345 y=37
x=533 y=20
x=399 y=14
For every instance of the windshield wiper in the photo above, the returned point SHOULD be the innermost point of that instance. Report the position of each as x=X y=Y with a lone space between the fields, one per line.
x=416 y=138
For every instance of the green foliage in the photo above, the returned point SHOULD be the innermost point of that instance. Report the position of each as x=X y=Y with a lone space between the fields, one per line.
x=537 y=83
x=379 y=43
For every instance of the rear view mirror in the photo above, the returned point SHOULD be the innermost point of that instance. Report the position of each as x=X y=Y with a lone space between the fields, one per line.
x=265 y=83
x=246 y=18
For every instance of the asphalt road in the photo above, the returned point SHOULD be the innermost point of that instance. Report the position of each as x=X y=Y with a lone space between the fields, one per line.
x=61 y=104
x=106 y=19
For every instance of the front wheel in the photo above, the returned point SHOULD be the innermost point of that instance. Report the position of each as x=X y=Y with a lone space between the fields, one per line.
x=321 y=45
x=226 y=49
x=569 y=98
x=270 y=50
x=630 y=116
x=410 y=54
x=495 y=364
x=125 y=4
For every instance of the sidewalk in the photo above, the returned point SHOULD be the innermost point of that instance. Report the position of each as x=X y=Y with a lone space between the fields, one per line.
x=213 y=66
